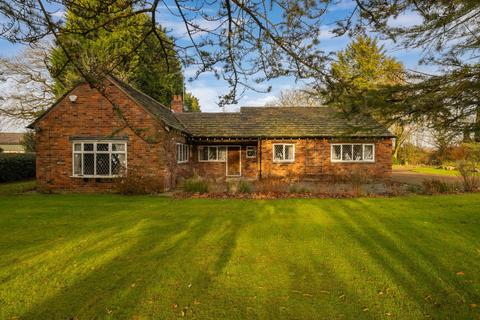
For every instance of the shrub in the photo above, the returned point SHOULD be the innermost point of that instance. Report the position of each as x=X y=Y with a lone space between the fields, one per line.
x=271 y=185
x=244 y=187
x=356 y=179
x=434 y=186
x=470 y=177
x=295 y=188
x=16 y=166
x=195 y=185
x=135 y=182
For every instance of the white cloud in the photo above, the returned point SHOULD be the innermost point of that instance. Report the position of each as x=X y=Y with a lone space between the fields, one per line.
x=259 y=101
x=59 y=14
x=178 y=28
x=405 y=20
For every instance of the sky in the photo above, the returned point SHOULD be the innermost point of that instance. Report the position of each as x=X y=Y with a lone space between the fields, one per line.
x=207 y=88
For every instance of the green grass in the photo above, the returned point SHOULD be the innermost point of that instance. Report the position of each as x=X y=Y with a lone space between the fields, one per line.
x=108 y=256
x=431 y=170
x=17 y=187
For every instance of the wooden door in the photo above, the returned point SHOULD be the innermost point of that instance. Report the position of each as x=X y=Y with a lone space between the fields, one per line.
x=234 y=161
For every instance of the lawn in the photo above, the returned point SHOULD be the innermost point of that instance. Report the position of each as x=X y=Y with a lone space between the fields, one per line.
x=432 y=170
x=109 y=256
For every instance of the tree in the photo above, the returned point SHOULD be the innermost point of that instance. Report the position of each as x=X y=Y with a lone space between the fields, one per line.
x=244 y=42
x=252 y=41
x=447 y=33
x=360 y=70
x=28 y=141
x=151 y=67
x=358 y=73
x=28 y=89
x=191 y=103
x=297 y=98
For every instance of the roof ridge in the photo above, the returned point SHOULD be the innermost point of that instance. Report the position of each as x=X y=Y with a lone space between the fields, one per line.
x=138 y=91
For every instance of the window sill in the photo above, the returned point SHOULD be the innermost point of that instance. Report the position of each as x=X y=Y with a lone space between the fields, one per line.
x=283 y=162
x=95 y=177
x=363 y=161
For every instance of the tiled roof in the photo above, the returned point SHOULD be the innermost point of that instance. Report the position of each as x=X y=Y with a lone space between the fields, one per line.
x=281 y=122
x=150 y=104
x=11 y=138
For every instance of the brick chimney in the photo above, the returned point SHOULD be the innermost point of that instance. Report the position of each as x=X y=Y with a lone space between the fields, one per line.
x=177 y=103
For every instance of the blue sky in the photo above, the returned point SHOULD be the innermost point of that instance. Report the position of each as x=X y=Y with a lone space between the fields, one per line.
x=207 y=88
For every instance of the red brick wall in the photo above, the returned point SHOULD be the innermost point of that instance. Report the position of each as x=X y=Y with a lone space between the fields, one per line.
x=93 y=115
x=312 y=158
x=217 y=170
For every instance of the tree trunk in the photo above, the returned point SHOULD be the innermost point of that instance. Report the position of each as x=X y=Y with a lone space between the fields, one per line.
x=476 y=128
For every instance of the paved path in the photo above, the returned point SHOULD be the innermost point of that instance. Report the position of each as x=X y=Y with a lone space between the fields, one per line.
x=406 y=176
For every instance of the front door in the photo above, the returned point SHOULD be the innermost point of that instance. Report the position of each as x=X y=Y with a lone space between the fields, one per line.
x=234 y=164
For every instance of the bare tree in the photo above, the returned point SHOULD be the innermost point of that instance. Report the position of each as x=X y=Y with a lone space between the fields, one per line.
x=27 y=88
x=243 y=42
x=296 y=98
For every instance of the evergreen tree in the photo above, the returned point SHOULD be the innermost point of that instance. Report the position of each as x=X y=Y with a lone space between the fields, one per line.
x=360 y=75
x=153 y=67
x=362 y=68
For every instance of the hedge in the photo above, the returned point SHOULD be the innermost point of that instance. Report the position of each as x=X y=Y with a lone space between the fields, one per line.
x=16 y=166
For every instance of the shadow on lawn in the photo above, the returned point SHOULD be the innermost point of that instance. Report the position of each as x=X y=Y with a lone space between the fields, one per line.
x=172 y=261
x=161 y=259
x=410 y=259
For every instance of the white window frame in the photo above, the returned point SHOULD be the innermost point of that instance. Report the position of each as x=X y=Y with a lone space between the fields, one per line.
x=183 y=153
x=352 y=144
x=251 y=148
x=217 y=153
x=275 y=160
x=95 y=152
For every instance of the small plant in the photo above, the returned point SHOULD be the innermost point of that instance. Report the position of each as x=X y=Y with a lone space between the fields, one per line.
x=270 y=185
x=434 y=186
x=244 y=187
x=357 y=179
x=469 y=174
x=195 y=185
x=135 y=182
x=294 y=188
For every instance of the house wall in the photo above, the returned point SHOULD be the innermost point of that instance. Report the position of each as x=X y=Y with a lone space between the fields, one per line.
x=217 y=170
x=92 y=115
x=312 y=158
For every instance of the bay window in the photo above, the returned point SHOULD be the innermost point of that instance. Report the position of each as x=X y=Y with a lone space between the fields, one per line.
x=99 y=159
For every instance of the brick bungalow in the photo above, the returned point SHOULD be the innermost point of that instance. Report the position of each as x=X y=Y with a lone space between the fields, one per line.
x=87 y=137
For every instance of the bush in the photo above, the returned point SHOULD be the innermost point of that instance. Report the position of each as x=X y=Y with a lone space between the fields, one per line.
x=16 y=166
x=469 y=174
x=271 y=185
x=295 y=188
x=434 y=186
x=195 y=185
x=244 y=187
x=134 y=182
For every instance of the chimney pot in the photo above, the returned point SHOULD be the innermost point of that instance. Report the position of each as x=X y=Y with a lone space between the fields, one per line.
x=177 y=103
